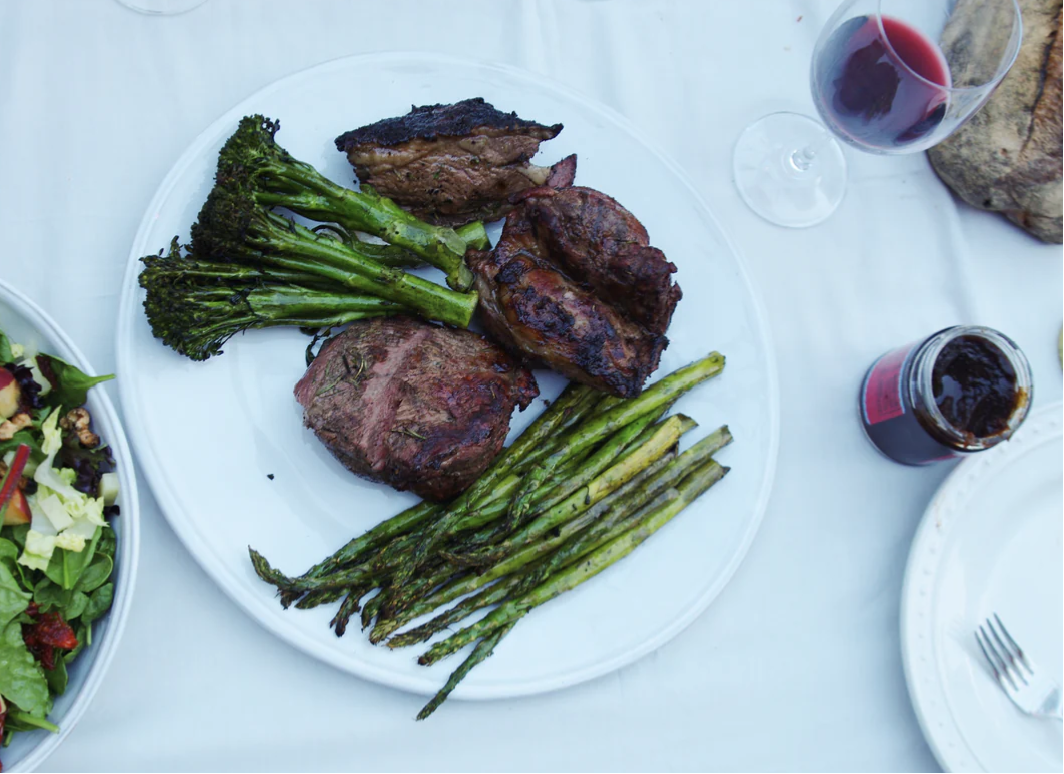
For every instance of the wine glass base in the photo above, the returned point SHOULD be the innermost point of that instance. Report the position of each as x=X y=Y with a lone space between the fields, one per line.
x=774 y=186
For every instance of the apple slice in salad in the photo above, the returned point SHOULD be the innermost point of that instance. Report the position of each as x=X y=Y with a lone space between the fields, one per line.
x=57 y=549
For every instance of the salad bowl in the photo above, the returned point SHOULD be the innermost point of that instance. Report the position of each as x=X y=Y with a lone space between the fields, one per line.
x=27 y=324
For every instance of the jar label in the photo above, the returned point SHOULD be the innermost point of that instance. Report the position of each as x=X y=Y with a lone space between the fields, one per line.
x=881 y=395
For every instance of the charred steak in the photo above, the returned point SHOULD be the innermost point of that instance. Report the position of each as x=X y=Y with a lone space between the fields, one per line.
x=598 y=242
x=453 y=164
x=414 y=405
x=574 y=284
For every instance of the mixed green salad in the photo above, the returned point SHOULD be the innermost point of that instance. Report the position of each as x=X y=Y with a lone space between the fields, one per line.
x=57 y=550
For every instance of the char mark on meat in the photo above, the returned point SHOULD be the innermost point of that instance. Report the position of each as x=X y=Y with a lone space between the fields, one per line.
x=431 y=122
x=453 y=164
x=413 y=405
x=601 y=244
x=574 y=284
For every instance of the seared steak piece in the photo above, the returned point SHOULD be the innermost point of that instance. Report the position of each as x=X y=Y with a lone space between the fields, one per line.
x=600 y=243
x=573 y=284
x=414 y=405
x=453 y=164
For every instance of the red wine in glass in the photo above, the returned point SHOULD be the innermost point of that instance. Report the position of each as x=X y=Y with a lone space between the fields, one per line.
x=881 y=87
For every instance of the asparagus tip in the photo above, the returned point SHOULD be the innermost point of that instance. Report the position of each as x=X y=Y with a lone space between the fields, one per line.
x=267 y=573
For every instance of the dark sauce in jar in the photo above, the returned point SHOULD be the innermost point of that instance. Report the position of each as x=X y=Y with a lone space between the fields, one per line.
x=961 y=390
x=974 y=385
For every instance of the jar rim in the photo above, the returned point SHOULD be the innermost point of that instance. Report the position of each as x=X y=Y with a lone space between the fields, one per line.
x=958 y=439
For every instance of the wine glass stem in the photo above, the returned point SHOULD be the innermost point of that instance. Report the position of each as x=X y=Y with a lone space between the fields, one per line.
x=803 y=158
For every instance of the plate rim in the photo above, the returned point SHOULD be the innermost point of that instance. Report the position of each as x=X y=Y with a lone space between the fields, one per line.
x=115 y=437
x=292 y=635
x=925 y=685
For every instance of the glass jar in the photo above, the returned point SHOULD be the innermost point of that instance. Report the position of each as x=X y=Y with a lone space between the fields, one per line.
x=961 y=390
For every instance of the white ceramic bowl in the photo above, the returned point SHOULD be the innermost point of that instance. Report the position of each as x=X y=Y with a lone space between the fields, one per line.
x=26 y=323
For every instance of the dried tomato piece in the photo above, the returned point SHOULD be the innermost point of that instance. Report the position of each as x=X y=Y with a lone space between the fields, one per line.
x=53 y=630
x=46 y=634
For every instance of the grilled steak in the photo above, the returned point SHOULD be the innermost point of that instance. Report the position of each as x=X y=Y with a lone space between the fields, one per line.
x=414 y=405
x=453 y=164
x=573 y=284
x=601 y=244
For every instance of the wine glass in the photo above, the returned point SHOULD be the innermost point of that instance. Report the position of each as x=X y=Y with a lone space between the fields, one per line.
x=880 y=84
x=162 y=7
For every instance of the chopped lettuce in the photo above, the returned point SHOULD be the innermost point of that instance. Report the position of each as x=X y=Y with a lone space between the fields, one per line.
x=63 y=517
x=52 y=435
x=54 y=510
x=73 y=538
x=38 y=551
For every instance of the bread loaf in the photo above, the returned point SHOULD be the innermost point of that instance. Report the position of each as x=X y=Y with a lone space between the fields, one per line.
x=1007 y=158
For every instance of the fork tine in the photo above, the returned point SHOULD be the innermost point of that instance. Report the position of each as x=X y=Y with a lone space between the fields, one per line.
x=1010 y=660
x=1015 y=646
x=997 y=663
x=986 y=654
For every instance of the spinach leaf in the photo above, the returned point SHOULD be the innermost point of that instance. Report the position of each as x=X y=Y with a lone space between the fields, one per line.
x=57 y=678
x=13 y=600
x=6 y=355
x=70 y=385
x=79 y=600
x=65 y=567
x=18 y=540
x=95 y=574
x=25 y=722
x=107 y=543
x=22 y=680
x=17 y=535
x=99 y=603
x=28 y=437
x=50 y=596
x=8 y=550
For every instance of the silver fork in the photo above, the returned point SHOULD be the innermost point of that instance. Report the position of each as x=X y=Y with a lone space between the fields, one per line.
x=1030 y=690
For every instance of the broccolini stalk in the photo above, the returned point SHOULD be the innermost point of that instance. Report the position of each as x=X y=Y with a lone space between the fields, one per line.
x=276 y=178
x=232 y=227
x=195 y=306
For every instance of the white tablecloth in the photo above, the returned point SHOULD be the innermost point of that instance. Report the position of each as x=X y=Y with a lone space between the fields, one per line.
x=797 y=664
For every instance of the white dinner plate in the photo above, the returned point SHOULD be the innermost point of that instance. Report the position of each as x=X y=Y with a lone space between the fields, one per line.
x=26 y=323
x=209 y=434
x=990 y=542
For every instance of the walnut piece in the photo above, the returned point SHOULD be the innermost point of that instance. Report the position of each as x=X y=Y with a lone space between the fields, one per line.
x=13 y=425
x=80 y=422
